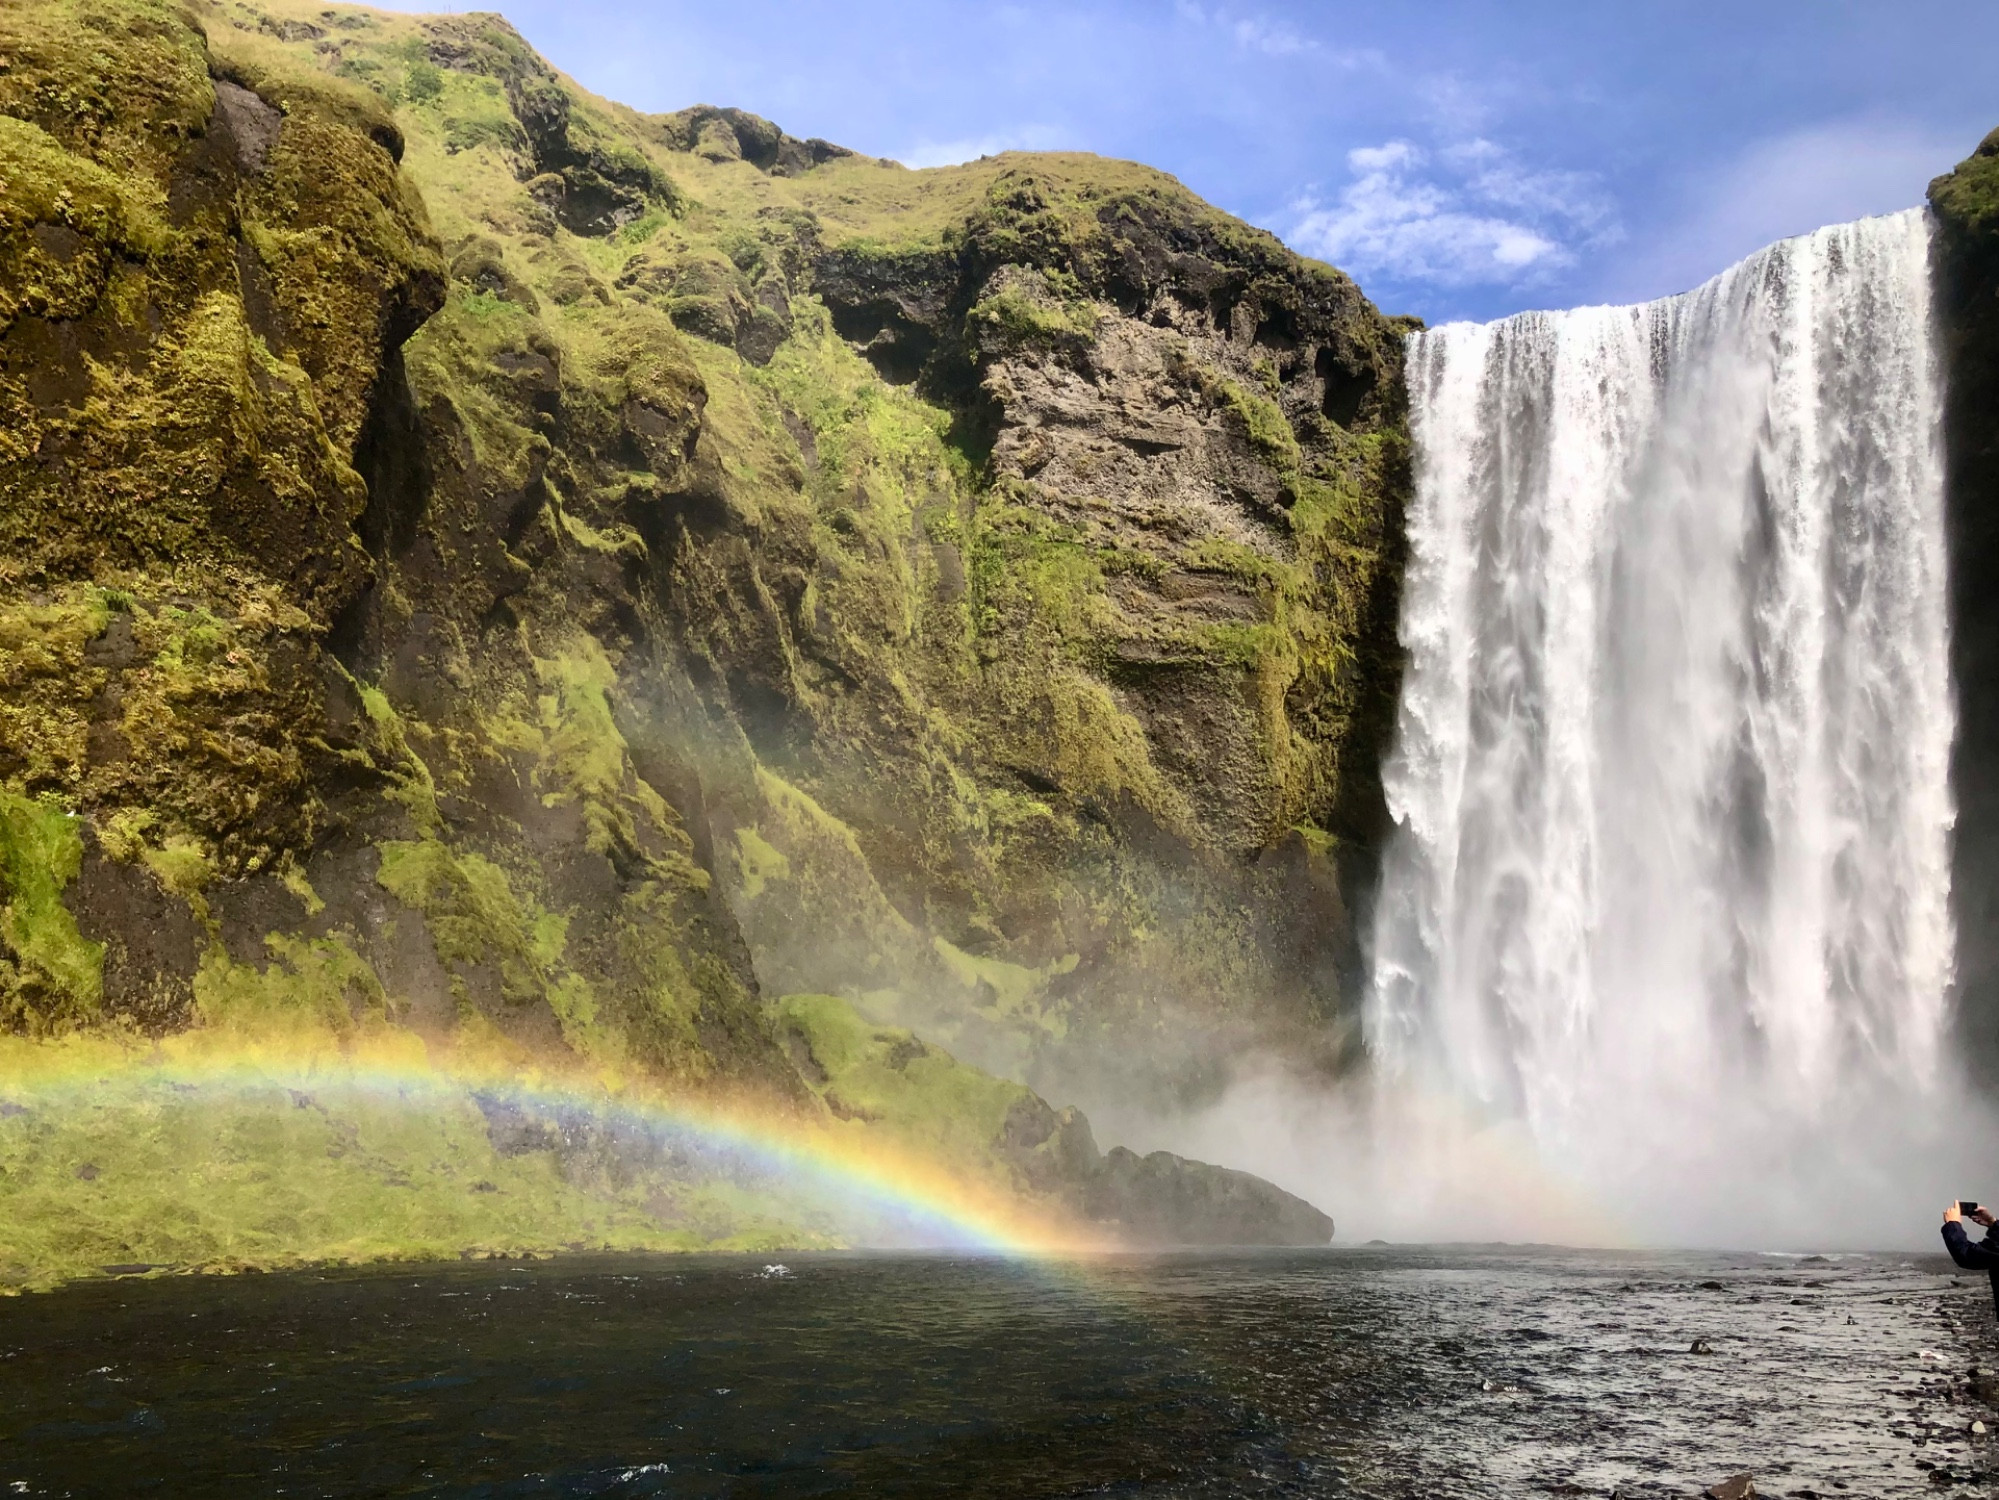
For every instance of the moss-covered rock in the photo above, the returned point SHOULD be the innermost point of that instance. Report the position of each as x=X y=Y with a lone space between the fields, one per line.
x=480 y=561
x=203 y=284
x=51 y=976
x=927 y=1100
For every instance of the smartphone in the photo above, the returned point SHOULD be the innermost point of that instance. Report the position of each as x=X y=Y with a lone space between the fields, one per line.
x=1966 y=1206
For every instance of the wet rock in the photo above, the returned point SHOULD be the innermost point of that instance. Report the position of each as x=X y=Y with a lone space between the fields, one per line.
x=1144 y=1201
x=1735 y=1487
x=1700 y=1346
x=1163 y=1199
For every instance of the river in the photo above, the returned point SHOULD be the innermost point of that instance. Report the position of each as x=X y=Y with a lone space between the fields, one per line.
x=1377 y=1371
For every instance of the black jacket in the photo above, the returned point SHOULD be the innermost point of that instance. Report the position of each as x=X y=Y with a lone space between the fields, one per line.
x=1983 y=1256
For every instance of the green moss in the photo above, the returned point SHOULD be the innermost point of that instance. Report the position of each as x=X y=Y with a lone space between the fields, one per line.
x=802 y=814
x=297 y=1170
x=119 y=82
x=1318 y=843
x=55 y=977
x=1049 y=310
x=477 y=914
x=173 y=412
x=44 y=184
x=311 y=986
x=672 y=986
x=474 y=914
x=644 y=227
x=46 y=685
x=1039 y=613
x=410 y=780
x=1968 y=196
x=584 y=761
x=1016 y=993
x=296 y=882
x=183 y=867
x=1269 y=433
x=422 y=83
x=579 y=1011
x=911 y=1091
x=1216 y=554
x=885 y=437
x=758 y=862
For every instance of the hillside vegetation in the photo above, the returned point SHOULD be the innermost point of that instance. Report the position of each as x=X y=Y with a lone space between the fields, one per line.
x=482 y=562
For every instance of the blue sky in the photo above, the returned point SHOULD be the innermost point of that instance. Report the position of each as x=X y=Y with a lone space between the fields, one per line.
x=1460 y=159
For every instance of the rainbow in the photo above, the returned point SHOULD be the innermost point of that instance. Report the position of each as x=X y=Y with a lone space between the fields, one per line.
x=843 y=1161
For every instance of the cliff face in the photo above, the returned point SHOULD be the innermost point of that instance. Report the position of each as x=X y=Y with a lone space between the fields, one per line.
x=1965 y=203
x=478 y=559
x=200 y=285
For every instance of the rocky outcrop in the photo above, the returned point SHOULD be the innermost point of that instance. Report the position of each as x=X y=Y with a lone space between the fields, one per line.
x=1218 y=420
x=719 y=135
x=1163 y=1199
x=924 y=1097
x=1176 y=577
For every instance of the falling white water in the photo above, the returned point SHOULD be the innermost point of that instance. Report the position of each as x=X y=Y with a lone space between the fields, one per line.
x=1667 y=900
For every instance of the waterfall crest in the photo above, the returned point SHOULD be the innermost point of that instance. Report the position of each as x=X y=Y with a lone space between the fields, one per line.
x=1669 y=883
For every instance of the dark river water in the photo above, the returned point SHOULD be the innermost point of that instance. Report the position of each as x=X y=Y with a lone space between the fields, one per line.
x=1375 y=1372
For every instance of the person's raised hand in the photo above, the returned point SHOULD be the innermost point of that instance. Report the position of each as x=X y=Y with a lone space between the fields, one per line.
x=1950 y=1213
x=1983 y=1216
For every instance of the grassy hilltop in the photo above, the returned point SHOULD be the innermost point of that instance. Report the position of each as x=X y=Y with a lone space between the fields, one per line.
x=481 y=563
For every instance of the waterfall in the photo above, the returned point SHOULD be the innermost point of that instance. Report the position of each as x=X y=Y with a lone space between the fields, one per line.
x=1668 y=889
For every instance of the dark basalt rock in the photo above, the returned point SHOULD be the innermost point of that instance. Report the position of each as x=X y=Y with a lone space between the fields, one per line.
x=1163 y=1199
x=1156 y=1200
x=737 y=135
x=1965 y=259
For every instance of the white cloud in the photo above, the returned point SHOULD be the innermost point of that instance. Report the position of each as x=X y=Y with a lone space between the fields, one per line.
x=950 y=153
x=1493 y=175
x=1253 y=32
x=1256 y=34
x=1452 y=106
x=1785 y=185
x=1466 y=215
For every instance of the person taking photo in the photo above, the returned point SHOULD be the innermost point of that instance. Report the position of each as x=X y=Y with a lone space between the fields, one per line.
x=1983 y=1256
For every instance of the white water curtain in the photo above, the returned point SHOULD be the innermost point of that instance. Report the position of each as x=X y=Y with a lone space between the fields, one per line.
x=1669 y=886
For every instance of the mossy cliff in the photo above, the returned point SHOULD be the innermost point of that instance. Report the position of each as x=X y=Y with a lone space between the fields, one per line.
x=479 y=560
x=1965 y=253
